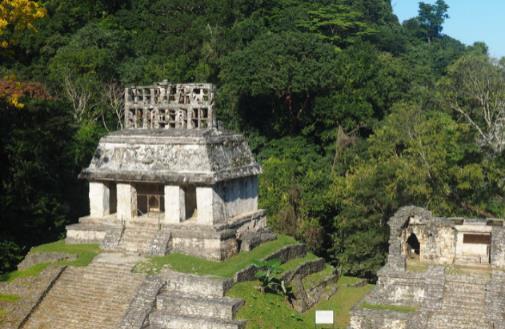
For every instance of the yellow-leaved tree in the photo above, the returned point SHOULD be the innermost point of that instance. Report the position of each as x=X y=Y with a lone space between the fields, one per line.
x=16 y=16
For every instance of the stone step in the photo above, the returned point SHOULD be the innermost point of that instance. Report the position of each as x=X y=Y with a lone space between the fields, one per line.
x=446 y=321
x=191 y=284
x=137 y=239
x=93 y=297
x=160 y=320
x=175 y=303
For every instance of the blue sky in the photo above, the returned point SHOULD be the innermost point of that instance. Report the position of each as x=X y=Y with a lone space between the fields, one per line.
x=470 y=21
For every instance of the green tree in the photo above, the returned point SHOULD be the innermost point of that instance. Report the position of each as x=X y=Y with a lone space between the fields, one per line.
x=432 y=18
x=278 y=75
x=475 y=89
x=417 y=157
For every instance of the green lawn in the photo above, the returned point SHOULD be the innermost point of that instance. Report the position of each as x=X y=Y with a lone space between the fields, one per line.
x=269 y=311
x=85 y=254
x=384 y=307
x=9 y=298
x=227 y=268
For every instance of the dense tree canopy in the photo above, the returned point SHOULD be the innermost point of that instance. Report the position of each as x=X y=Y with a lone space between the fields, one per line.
x=351 y=113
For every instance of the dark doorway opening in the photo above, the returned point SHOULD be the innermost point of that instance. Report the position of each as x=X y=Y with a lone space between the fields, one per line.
x=190 y=201
x=112 y=198
x=414 y=247
x=150 y=199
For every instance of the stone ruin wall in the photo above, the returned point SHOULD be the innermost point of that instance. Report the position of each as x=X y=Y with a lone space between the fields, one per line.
x=437 y=237
x=438 y=242
x=425 y=290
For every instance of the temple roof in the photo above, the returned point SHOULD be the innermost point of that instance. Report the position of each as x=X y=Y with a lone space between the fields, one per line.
x=171 y=156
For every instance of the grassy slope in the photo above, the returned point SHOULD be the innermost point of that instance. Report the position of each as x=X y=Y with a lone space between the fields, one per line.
x=268 y=311
x=227 y=268
x=85 y=254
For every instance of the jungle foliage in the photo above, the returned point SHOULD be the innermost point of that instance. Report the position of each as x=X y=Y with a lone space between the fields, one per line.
x=351 y=113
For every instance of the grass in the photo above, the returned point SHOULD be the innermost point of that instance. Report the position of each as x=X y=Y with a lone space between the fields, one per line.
x=85 y=254
x=294 y=263
x=416 y=266
x=31 y=271
x=3 y=315
x=227 y=268
x=312 y=279
x=384 y=307
x=268 y=311
x=9 y=298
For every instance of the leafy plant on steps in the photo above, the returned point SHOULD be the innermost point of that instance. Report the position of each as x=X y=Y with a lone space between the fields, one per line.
x=269 y=277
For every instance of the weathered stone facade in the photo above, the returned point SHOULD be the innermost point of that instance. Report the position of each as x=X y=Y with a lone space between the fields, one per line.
x=457 y=284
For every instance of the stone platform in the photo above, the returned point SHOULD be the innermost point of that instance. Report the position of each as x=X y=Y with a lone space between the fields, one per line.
x=152 y=236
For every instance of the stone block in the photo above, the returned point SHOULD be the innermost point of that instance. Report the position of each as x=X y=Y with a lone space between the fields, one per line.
x=126 y=201
x=223 y=308
x=186 y=283
x=175 y=206
x=210 y=206
x=99 y=199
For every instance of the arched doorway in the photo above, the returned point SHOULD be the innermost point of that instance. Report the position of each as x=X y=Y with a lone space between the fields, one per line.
x=413 y=245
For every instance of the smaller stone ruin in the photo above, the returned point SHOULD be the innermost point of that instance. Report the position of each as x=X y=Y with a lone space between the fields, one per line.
x=441 y=273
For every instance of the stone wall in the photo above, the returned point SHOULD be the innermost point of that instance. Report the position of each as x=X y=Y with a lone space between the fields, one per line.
x=396 y=258
x=374 y=319
x=171 y=157
x=498 y=247
x=400 y=288
x=495 y=301
x=437 y=242
x=239 y=196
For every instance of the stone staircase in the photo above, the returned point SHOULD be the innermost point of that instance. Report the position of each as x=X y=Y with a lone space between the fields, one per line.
x=138 y=239
x=94 y=297
x=463 y=304
x=194 y=302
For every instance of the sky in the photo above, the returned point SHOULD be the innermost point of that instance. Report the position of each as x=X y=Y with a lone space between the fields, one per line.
x=469 y=21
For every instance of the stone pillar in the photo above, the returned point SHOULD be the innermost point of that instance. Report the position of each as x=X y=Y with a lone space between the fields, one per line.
x=209 y=206
x=253 y=192
x=99 y=199
x=175 y=205
x=126 y=201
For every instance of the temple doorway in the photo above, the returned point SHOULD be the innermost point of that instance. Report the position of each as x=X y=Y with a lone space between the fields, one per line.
x=150 y=199
x=413 y=246
x=190 y=201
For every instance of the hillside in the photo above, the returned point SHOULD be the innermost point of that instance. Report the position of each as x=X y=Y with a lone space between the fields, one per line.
x=351 y=113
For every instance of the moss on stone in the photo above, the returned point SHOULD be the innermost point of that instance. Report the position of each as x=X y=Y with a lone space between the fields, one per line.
x=31 y=271
x=386 y=307
x=9 y=298
x=85 y=254
x=227 y=268
x=313 y=279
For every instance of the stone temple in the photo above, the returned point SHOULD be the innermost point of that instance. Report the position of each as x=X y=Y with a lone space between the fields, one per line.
x=171 y=181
